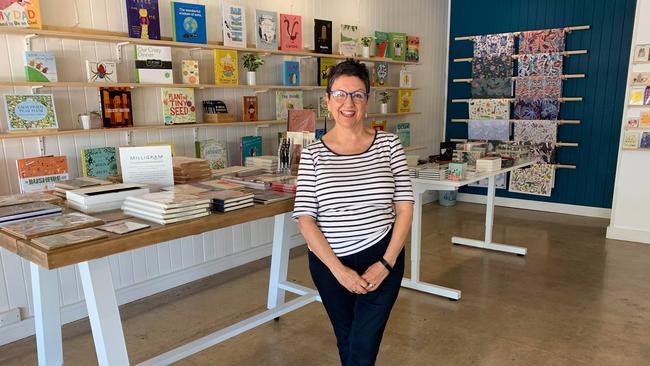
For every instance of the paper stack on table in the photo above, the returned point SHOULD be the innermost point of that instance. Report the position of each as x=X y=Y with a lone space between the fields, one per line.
x=26 y=211
x=61 y=187
x=188 y=170
x=267 y=162
x=104 y=197
x=228 y=200
x=488 y=164
x=166 y=207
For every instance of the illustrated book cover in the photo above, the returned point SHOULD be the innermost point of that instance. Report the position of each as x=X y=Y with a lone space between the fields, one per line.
x=325 y=64
x=322 y=36
x=30 y=111
x=226 y=67
x=403 y=131
x=301 y=120
x=41 y=173
x=250 y=109
x=381 y=44
x=290 y=32
x=101 y=71
x=99 y=162
x=291 y=73
x=348 y=40
x=51 y=225
x=143 y=19
x=40 y=66
x=178 y=105
x=215 y=152
x=266 y=29
x=20 y=13
x=412 y=48
x=234 y=26
x=116 y=107
x=286 y=100
x=397 y=44
x=153 y=64
x=249 y=146
x=190 y=72
x=404 y=101
x=188 y=22
x=69 y=238
x=381 y=73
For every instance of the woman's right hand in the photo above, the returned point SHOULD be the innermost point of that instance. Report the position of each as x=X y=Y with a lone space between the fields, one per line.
x=351 y=280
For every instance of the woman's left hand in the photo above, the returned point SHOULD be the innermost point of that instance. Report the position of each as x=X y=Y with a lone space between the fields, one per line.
x=374 y=275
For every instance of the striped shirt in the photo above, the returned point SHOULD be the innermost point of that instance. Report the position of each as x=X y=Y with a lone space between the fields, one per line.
x=352 y=196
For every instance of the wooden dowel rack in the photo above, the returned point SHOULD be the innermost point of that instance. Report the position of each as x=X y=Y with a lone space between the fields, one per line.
x=563 y=77
x=564 y=53
x=566 y=29
x=559 y=121
x=558 y=144
x=511 y=100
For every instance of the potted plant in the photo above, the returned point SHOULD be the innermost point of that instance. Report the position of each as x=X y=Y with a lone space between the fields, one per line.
x=365 y=42
x=384 y=97
x=85 y=119
x=252 y=62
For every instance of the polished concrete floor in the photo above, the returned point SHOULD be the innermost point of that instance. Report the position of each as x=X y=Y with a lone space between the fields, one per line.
x=575 y=299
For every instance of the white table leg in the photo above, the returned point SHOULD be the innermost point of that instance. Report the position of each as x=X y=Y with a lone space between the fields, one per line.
x=279 y=260
x=103 y=312
x=47 y=315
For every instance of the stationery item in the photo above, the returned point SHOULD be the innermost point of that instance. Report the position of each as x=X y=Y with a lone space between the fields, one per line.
x=489 y=109
x=496 y=66
x=30 y=111
x=143 y=19
x=403 y=131
x=234 y=26
x=634 y=122
x=501 y=44
x=286 y=100
x=51 y=225
x=40 y=66
x=147 y=164
x=644 y=143
x=491 y=88
x=290 y=32
x=178 y=105
x=100 y=162
x=16 y=199
x=220 y=184
x=325 y=64
x=322 y=36
x=641 y=77
x=539 y=87
x=381 y=73
x=382 y=39
x=542 y=41
x=25 y=211
x=404 y=101
x=540 y=64
x=397 y=44
x=535 y=109
x=191 y=188
x=249 y=146
x=637 y=95
x=101 y=71
x=188 y=22
x=405 y=79
x=78 y=183
x=267 y=162
x=488 y=129
x=123 y=227
x=266 y=29
x=291 y=73
x=537 y=179
x=102 y=197
x=215 y=152
x=153 y=64
x=412 y=49
x=190 y=72
x=41 y=173
x=187 y=170
x=249 y=108
x=456 y=171
x=20 y=13
x=266 y=197
x=69 y=238
x=349 y=39
x=488 y=164
x=535 y=132
x=301 y=120
x=226 y=68
x=644 y=120
x=168 y=200
x=116 y=107
x=379 y=125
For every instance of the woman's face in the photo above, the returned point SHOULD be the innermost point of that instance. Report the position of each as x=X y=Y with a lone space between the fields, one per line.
x=347 y=110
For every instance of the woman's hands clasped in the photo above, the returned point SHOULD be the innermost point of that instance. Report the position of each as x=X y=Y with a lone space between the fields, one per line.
x=368 y=282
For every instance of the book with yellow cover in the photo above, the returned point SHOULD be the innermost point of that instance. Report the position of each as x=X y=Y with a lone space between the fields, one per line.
x=404 y=101
x=226 y=69
x=636 y=95
x=20 y=13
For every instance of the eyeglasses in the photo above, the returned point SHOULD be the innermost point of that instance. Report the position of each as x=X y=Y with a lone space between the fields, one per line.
x=358 y=97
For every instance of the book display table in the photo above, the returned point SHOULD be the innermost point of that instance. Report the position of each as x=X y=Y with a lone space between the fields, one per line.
x=92 y=260
x=422 y=185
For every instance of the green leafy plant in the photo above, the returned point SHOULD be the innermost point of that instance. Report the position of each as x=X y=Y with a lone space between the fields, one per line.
x=366 y=41
x=252 y=62
x=384 y=96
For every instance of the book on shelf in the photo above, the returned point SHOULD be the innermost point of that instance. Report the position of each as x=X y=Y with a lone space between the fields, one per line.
x=40 y=66
x=234 y=26
x=632 y=122
x=644 y=142
x=381 y=44
x=41 y=173
x=322 y=36
x=325 y=64
x=30 y=111
x=226 y=67
x=249 y=146
x=381 y=73
x=190 y=72
x=403 y=131
x=644 y=119
x=26 y=211
x=631 y=139
x=250 y=109
x=116 y=107
x=301 y=120
x=286 y=100
x=188 y=22
x=378 y=125
x=99 y=162
x=323 y=111
x=20 y=13
x=291 y=73
x=404 y=101
x=147 y=165
x=405 y=79
x=290 y=32
x=178 y=105
x=51 y=225
x=101 y=71
x=412 y=48
x=397 y=44
x=215 y=152
x=637 y=95
x=318 y=134
x=266 y=29
x=349 y=40
x=123 y=227
x=50 y=242
x=143 y=19
x=641 y=77
x=642 y=52
x=153 y=64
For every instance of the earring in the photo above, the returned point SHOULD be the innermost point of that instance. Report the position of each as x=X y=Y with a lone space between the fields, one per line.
x=365 y=115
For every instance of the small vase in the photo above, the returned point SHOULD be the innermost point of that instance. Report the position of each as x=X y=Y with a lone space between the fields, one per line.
x=383 y=108
x=84 y=120
x=365 y=51
x=250 y=77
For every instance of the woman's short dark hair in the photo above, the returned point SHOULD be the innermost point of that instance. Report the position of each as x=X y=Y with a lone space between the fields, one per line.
x=349 y=67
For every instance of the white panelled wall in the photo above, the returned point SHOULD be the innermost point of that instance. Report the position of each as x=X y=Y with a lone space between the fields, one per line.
x=142 y=272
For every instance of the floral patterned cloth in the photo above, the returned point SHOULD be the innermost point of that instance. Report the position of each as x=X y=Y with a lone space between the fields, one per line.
x=538 y=87
x=489 y=109
x=537 y=179
x=540 y=64
x=532 y=109
x=488 y=129
x=492 y=88
x=494 y=45
x=535 y=132
x=549 y=40
x=542 y=153
x=496 y=66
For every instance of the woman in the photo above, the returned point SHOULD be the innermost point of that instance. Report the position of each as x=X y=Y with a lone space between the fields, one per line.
x=354 y=206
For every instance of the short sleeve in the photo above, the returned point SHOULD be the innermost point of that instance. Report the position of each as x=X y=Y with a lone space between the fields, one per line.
x=305 y=202
x=403 y=188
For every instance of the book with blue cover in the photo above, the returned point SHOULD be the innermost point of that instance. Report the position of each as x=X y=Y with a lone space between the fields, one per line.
x=143 y=18
x=403 y=131
x=188 y=23
x=250 y=146
x=40 y=66
x=291 y=73
x=99 y=162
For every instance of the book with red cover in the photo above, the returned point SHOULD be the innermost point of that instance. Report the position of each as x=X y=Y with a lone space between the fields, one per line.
x=290 y=32
x=249 y=106
x=41 y=173
x=301 y=120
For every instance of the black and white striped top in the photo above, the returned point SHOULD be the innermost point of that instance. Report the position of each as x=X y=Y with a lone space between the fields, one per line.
x=351 y=196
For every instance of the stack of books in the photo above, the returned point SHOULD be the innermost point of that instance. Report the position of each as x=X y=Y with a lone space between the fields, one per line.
x=61 y=187
x=228 y=200
x=187 y=170
x=248 y=182
x=15 y=199
x=26 y=211
x=429 y=171
x=267 y=162
x=488 y=164
x=220 y=185
x=288 y=184
x=266 y=197
x=231 y=170
x=104 y=197
x=166 y=207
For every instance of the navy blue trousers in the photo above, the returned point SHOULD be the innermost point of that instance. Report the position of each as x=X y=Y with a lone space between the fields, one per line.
x=358 y=320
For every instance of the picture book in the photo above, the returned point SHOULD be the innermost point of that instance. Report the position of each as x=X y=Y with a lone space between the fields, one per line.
x=226 y=67
x=190 y=72
x=631 y=139
x=403 y=131
x=188 y=23
x=99 y=162
x=153 y=64
x=291 y=73
x=641 y=77
x=319 y=133
x=349 y=40
x=20 y=13
x=116 y=107
x=636 y=95
x=266 y=29
x=286 y=100
x=632 y=123
x=178 y=105
x=122 y=227
x=249 y=146
x=322 y=36
x=644 y=119
x=143 y=19
x=397 y=44
x=301 y=120
x=41 y=173
x=404 y=101
x=250 y=110
x=642 y=52
x=30 y=111
x=325 y=64
x=40 y=66
x=378 y=125
x=101 y=71
x=290 y=32
x=234 y=26
x=381 y=73
x=323 y=112
x=405 y=79
x=644 y=143
x=51 y=225
x=69 y=238
x=412 y=48
x=215 y=152
x=381 y=44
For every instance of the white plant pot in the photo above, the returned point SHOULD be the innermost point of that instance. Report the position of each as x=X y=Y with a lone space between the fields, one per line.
x=383 y=108
x=250 y=77
x=365 y=52
x=84 y=120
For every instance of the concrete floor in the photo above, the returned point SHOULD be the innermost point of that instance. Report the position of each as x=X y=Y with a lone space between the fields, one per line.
x=575 y=299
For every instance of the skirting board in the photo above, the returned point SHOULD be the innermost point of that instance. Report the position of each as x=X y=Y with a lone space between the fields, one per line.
x=618 y=233
x=76 y=311
x=562 y=208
